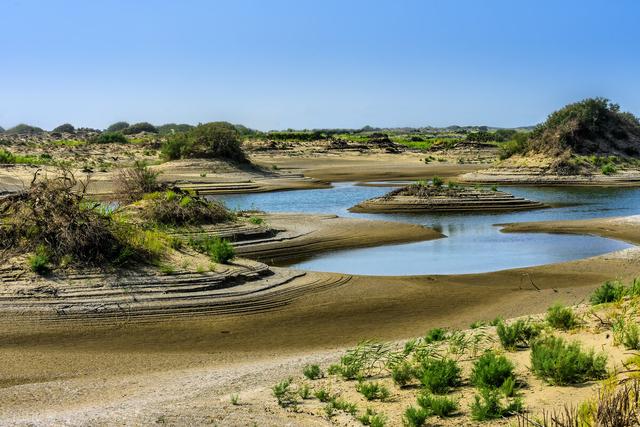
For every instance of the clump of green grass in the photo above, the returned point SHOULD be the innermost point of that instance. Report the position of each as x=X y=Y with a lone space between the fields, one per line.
x=626 y=332
x=284 y=393
x=323 y=395
x=415 y=417
x=608 y=292
x=304 y=392
x=39 y=261
x=436 y=181
x=402 y=373
x=256 y=220
x=561 y=317
x=609 y=169
x=372 y=390
x=345 y=406
x=312 y=372
x=491 y=370
x=366 y=359
x=434 y=335
x=517 y=334
x=562 y=363
x=441 y=406
x=234 y=399
x=490 y=404
x=372 y=418
x=439 y=375
x=219 y=250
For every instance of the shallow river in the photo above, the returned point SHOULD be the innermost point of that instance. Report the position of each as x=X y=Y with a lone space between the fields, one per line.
x=474 y=243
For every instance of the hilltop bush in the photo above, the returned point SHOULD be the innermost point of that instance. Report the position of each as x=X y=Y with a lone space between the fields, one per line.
x=210 y=140
x=593 y=125
x=64 y=128
x=139 y=127
x=172 y=128
x=562 y=363
x=109 y=138
x=117 y=127
x=24 y=129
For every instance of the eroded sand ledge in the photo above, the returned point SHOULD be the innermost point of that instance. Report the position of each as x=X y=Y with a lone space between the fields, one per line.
x=447 y=200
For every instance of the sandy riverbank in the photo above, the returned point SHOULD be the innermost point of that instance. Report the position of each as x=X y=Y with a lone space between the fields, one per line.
x=131 y=369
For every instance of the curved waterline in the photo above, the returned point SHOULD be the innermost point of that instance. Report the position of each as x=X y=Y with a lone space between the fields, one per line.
x=474 y=243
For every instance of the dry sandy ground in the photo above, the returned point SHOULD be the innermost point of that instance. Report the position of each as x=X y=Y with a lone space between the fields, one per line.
x=365 y=167
x=181 y=371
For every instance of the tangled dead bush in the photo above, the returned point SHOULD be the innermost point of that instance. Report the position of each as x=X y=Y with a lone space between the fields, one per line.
x=132 y=183
x=54 y=219
x=179 y=208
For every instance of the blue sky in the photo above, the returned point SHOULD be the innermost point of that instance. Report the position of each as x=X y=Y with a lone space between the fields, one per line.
x=312 y=64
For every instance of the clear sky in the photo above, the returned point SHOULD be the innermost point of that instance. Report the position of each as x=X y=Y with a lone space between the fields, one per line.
x=313 y=64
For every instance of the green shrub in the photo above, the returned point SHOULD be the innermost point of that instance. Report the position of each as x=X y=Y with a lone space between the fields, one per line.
x=435 y=334
x=234 y=399
x=608 y=292
x=490 y=404
x=312 y=372
x=439 y=375
x=372 y=390
x=608 y=169
x=517 y=334
x=561 y=317
x=438 y=405
x=402 y=373
x=118 y=127
x=491 y=370
x=284 y=393
x=39 y=262
x=109 y=138
x=372 y=418
x=414 y=417
x=175 y=147
x=560 y=363
x=172 y=128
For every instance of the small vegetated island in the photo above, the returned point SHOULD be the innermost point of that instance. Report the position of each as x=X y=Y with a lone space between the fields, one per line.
x=590 y=141
x=434 y=196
